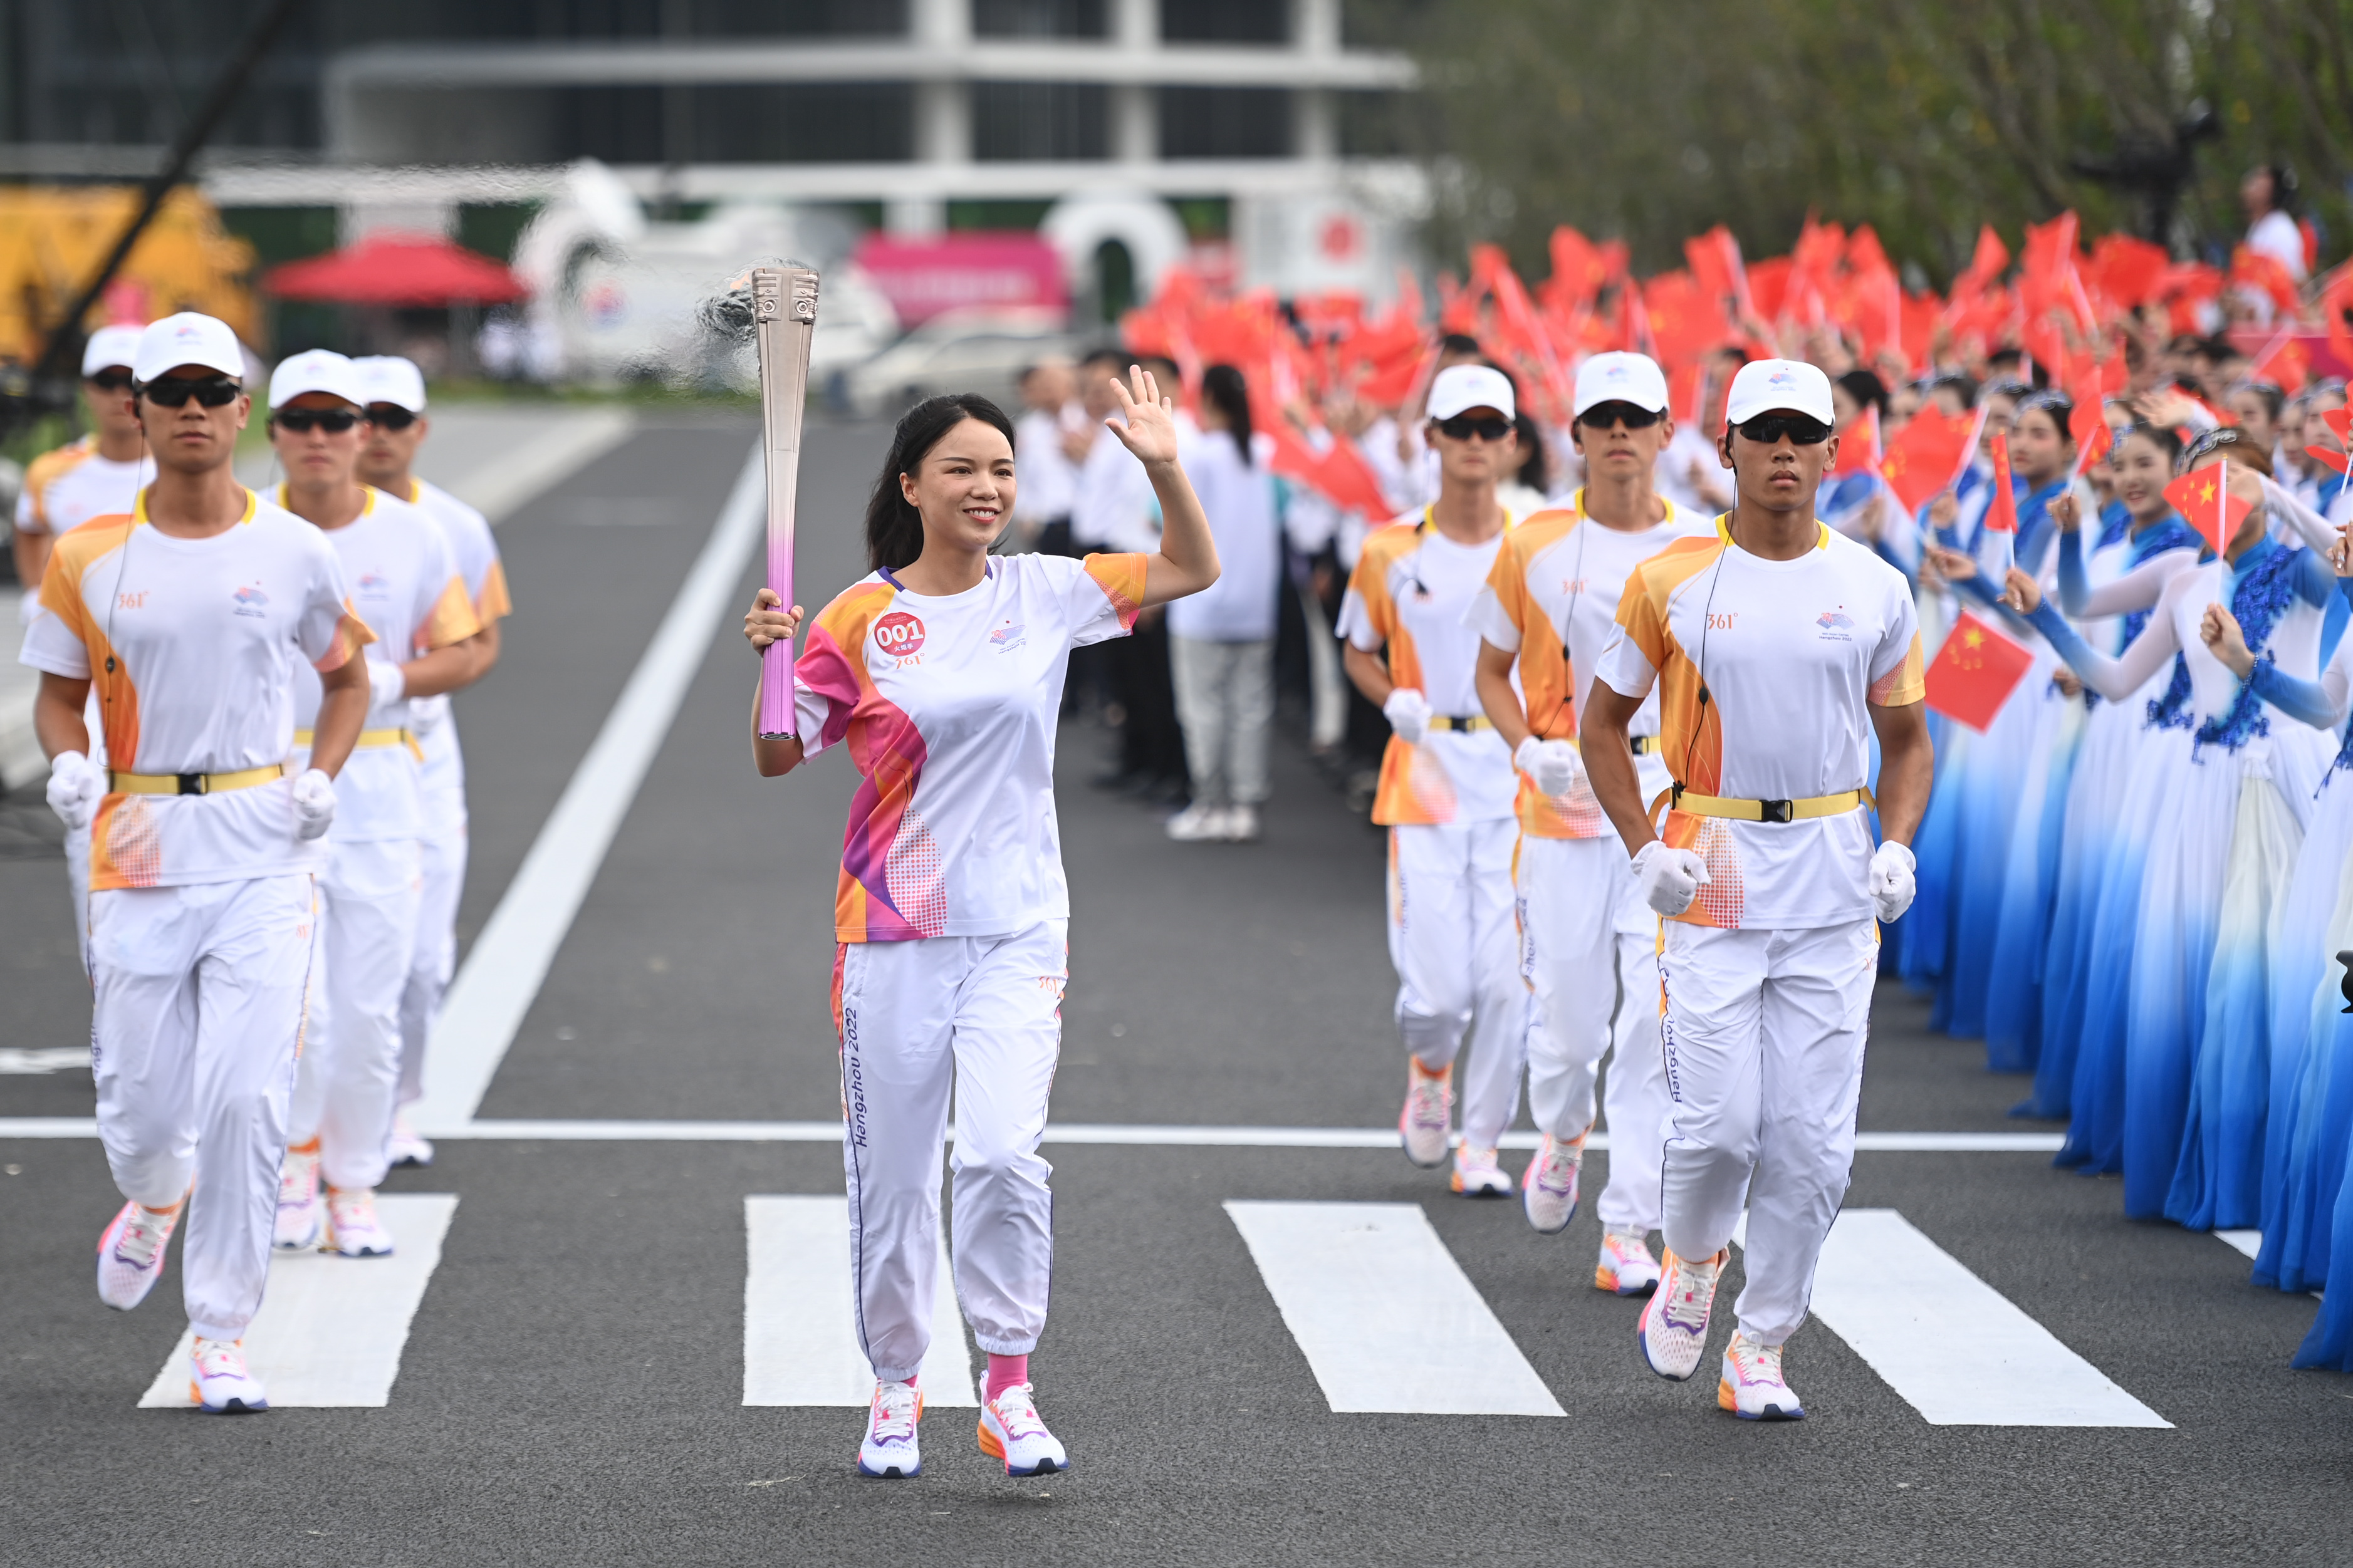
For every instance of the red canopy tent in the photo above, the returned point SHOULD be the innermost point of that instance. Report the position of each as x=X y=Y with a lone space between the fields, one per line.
x=405 y=270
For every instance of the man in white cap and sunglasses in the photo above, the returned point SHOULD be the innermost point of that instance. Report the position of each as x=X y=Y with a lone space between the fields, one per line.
x=1777 y=647
x=1588 y=942
x=192 y=615
x=407 y=587
x=396 y=427
x=1447 y=788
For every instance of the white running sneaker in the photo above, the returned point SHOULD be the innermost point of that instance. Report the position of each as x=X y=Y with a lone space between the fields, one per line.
x=221 y=1383
x=130 y=1254
x=1011 y=1431
x=407 y=1148
x=1548 y=1186
x=1673 y=1327
x=890 y=1451
x=1626 y=1268
x=352 y=1230
x=1199 y=823
x=300 y=1213
x=1752 y=1388
x=1477 y=1175
x=1241 y=825
x=1429 y=1113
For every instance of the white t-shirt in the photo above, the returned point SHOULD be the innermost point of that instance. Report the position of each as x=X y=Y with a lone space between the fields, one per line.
x=949 y=707
x=1793 y=652
x=1410 y=593
x=66 y=488
x=1552 y=598
x=2275 y=235
x=1044 y=480
x=1114 y=505
x=192 y=648
x=474 y=551
x=1238 y=500
x=407 y=588
x=1671 y=477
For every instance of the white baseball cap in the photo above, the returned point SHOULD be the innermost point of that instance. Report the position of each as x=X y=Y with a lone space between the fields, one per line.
x=188 y=339
x=108 y=347
x=1460 y=387
x=316 y=370
x=1621 y=378
x=1766 y=385
x=389 y=378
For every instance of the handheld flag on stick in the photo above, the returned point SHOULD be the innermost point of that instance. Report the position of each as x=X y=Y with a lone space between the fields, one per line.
x=2340 y=422
x=1975 y=672
x=1929 y=453
x=1858 y=450
x=784 y=315
x=2205 y=502
x=1998 y=541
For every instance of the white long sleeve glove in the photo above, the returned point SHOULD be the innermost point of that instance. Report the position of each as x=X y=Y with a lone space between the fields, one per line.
x=1670 y=879
x=314 y=805
x=1558 y=767
x=75 y=786
x=1892 y=884
x=386 y=684
x=1407 y=711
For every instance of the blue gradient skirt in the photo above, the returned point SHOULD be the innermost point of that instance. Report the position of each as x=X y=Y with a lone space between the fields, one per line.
x=2022 y=930
x=1985 y=786
x=2312 y=1055
x=2088 y=845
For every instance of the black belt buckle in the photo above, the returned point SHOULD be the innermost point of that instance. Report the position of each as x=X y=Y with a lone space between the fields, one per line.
x=1777 y=811
x=1642 y=746
x=191 y=784
x=1456 y=722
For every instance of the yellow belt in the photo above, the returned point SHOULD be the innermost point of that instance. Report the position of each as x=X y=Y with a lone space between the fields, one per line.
x=1642 y=746
x=1460 y=726
x=1695 y=804
x=192 y=784
x=372 y=738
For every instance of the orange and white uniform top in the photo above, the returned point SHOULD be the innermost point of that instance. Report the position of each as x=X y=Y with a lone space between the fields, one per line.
x=193 y=649
x=474 y=551
x=406 y=589
x=949 y=706
x=1765 y=671
x=66 y=488
x=1552 y=598
x=1410 y=594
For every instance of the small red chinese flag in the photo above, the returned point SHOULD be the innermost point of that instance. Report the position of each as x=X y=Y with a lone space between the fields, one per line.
x=1975 y=672
x=1929 y=453
x=2203 y=499
x=2337 y=420
x=2088 y=425
x=2001 y=512
x=1858 y=450
x=1342 y=474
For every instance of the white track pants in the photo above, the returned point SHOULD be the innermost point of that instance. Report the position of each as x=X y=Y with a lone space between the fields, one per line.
x=1588 y=948
x=197 y=1019
x=442 y=784
x=348 y=1087
x=1764 y=1035
x=982 y=1016
x=1452 y=940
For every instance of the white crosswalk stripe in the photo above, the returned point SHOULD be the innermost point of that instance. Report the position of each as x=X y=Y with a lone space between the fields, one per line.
x=330 y=1329
x=1957 y=1349
x=1385 y=1316
x=800 y=1346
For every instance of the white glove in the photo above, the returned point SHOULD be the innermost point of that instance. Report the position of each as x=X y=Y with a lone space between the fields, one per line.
x=1554 y=764
x=314 y=805
x=1670 y=879
x=1892 y=884
x=1407 y=711
x=386 y=684
x=75 y=786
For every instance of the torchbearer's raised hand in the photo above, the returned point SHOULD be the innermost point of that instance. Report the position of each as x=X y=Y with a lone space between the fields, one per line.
x=764 y=623
x=1144 y=422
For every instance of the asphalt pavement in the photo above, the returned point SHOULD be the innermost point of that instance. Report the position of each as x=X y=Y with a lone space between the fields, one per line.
x=571 y=1390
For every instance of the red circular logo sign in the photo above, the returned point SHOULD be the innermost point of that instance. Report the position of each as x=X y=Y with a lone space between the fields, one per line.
x=898 y=633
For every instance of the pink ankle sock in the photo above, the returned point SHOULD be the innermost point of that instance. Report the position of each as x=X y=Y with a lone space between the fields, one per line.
x=1004 y=1371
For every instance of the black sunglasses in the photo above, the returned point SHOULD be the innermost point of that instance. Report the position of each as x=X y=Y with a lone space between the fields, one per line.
x=1462 y=427
x=1766 y=429
x=1632 y=416
x=303 y=421
x=113 y=378
x=390 y=417
x=173 y=391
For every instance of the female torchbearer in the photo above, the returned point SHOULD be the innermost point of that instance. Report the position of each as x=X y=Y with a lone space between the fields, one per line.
x=943 y=670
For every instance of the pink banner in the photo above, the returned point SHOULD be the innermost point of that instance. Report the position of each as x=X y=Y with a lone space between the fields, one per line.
x=922 y=278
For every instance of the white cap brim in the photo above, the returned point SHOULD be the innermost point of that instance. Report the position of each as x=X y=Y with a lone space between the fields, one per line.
x=188 y=339
x=1459 y=388
x=1769 y=385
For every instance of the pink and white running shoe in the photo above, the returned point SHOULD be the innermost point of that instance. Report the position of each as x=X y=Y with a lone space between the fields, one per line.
x=352 y=1230
x=221 y=1385
x=1428 y=1115
x=1011 y=1431
x=1673 y=1329
x=300 y=1213
x=1752 y=1386
x=1626 y=1267
x=890 y=1451
x=130 y=1254
x=1548 y=1186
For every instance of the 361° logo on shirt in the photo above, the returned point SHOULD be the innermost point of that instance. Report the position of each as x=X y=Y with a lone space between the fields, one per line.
x=899 y=634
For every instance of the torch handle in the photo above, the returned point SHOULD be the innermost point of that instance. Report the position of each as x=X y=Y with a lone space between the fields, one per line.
x=783 y=302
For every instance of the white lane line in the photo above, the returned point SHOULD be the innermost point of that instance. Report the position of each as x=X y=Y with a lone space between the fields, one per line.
x=1386 y=1317
x=1959 y=1351
x=508 y=962
x=525 y=470
x=330 y=1329
x=800 y=1344
x=1135 y=1135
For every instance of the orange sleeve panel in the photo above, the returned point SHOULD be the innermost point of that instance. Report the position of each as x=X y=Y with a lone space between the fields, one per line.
x=493 y=603
x=452 y=620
